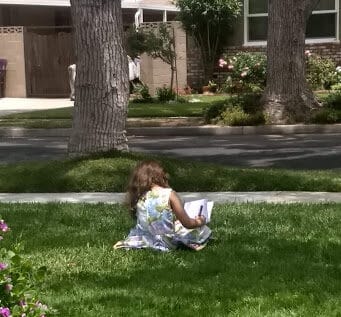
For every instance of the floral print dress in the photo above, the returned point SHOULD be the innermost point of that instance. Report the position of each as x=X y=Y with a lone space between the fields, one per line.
x=157 y=227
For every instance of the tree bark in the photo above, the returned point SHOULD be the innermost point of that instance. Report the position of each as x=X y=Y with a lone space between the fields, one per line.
x=287 y=97
x=102 y=85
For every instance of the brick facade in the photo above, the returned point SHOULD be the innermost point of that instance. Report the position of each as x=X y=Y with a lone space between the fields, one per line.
x=195 y=69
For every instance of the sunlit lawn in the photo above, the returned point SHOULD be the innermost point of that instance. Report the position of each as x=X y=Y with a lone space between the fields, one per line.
x=266 y=260
x=62 y=117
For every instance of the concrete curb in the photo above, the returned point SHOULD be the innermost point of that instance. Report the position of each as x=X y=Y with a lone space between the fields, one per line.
x=186 y=131
x=217 y=197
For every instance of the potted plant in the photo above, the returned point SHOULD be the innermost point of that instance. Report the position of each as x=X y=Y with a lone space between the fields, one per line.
x=212 y=86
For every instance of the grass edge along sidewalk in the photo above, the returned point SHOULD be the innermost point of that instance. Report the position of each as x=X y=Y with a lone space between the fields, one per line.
x=217 y=197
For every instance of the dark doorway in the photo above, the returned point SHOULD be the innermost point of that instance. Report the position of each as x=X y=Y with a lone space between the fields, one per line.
x=48 y=53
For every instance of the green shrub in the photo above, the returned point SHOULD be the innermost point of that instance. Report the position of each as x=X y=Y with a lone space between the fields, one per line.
x=327 y=116
x=333 y=100
x=142 y=94
x=320 y=71
x=165 y=94
x=215 y=109
x=235 y=116
x=257 y=118
x=336 y=86
x=249 y=102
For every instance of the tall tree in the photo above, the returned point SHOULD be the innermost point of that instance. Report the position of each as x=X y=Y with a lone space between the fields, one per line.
x=209 y=22
x=102 y=87
x=287 y=97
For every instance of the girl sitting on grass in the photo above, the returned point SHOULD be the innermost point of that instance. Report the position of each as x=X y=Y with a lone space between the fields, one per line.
x=162 y=222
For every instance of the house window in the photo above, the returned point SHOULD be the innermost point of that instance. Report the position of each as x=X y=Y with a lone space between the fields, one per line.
x=322 y=26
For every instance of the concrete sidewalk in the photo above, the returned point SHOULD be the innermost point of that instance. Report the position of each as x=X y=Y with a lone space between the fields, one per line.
x=18 y=105
x=207 y=130
x=217 y=197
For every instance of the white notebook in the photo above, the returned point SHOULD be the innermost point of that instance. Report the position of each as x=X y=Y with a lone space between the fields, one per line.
x=193 y=208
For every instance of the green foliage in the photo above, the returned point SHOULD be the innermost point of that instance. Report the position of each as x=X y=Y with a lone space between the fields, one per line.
x=209 y=22
x=333 y=100
x=247 y=72
x=20 y=283
x=157 y=43
x=142 y=94
x=165 y=94
x=336 y=86
x=135 y=42
x=234 y=116
x=320 y=71
x=214 y=110
x=327 y=116
x=237 y=116
x=249 y=102
x=331 y=110
x=244 y=109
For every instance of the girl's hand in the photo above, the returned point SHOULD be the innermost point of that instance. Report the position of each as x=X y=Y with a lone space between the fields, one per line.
x=181 y=215
x=200 y=220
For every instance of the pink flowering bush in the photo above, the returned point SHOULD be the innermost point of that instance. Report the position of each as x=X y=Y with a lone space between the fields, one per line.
x=19 y=283
x=247 y=72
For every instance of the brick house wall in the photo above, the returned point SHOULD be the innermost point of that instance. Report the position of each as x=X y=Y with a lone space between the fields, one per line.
x=195 y=69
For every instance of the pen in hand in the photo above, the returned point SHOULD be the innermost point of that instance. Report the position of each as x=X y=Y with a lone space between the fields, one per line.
x=200 y=211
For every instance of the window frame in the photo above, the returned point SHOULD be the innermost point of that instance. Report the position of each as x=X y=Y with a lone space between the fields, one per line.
x=335 y=39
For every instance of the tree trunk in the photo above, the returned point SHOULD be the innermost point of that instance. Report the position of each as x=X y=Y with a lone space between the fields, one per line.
x=102 y=86
x=287 y=97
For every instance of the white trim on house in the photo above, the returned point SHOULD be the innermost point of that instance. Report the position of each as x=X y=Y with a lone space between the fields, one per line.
x=308 y=40
x=127 y=4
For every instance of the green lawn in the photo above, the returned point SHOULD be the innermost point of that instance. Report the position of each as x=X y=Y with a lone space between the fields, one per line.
x=265 y=261
x=62 y=117
x=109 y=173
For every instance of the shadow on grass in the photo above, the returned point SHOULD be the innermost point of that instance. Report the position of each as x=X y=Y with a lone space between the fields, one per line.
x=110 y=171
x=212 y=283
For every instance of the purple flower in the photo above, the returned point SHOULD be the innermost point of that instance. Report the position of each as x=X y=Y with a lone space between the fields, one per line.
x=5 y=312
x=23 y=304
x=3 y=266
x=3 y=226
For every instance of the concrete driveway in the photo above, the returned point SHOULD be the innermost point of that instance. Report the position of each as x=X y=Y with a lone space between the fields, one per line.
x=17 y=105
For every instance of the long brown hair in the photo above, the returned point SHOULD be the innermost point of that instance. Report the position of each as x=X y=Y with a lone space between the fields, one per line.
x=143 y=177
